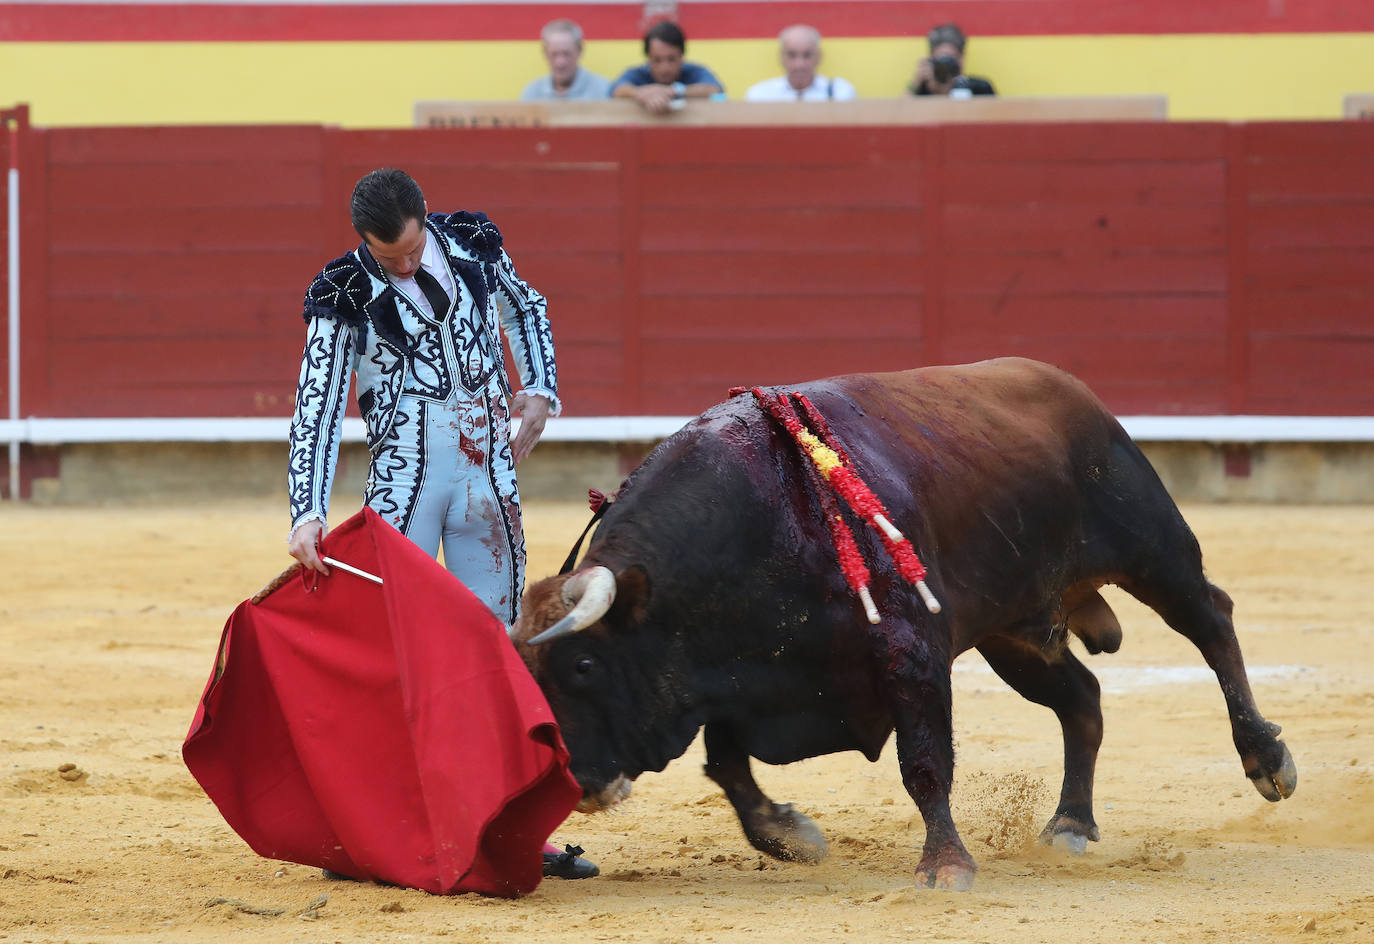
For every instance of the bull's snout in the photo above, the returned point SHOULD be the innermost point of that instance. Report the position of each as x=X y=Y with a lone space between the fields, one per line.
x=607 y=797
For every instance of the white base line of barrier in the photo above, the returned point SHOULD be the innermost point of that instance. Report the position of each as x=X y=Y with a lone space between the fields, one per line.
x=645 y=429
x=48 y=432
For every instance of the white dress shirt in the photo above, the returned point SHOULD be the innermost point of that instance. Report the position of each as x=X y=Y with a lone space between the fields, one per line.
x=821 y=89
x=432 y=261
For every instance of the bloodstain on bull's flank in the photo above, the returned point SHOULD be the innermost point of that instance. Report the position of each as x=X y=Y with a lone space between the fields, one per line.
x=772 y=463
x=766 y=455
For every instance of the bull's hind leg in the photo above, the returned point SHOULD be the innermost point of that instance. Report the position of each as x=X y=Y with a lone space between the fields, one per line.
x=1146 y=547
x=1071 y=691
x=1202 y=613
x=775 y=829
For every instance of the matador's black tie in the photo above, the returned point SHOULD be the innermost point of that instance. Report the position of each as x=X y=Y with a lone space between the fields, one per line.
x=434 y=293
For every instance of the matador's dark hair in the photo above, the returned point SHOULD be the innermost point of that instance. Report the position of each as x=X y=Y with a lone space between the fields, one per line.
x=383 y=202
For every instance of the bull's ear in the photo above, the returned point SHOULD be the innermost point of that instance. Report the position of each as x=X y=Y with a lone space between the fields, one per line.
x=632 y=589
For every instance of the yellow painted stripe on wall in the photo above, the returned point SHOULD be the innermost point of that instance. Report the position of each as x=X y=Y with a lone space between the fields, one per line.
x=373 y=85
x=1206 y=78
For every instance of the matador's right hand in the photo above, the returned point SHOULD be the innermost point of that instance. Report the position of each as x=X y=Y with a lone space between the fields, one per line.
x=305 y=545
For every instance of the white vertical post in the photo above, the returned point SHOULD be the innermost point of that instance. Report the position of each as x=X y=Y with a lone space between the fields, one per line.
x=14 y=317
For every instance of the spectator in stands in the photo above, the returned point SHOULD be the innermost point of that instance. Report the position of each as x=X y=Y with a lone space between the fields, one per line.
x=665 y=80
x=562 y=42
x=800 y=54
x=942 y=72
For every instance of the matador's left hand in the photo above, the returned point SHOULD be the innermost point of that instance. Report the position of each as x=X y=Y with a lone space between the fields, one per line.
x=534 y=413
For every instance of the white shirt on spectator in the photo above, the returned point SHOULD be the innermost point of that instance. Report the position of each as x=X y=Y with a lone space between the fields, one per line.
x=821 y=89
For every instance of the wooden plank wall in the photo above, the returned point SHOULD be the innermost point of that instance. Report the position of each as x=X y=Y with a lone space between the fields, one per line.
x=760 y=268
x=1102 y=250
x=1308 y=273
x=1176 y=268
x=175 y=259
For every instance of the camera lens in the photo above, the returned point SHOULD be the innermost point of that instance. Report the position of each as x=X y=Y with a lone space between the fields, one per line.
x=944 y=68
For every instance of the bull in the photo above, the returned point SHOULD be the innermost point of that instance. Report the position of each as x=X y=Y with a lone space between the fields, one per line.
x=710 y=597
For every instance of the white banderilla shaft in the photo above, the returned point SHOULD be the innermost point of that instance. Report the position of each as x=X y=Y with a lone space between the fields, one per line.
x=893 y=534
x=352 y=570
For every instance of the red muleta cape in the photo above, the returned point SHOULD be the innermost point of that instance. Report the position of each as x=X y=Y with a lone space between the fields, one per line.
x=384 y=732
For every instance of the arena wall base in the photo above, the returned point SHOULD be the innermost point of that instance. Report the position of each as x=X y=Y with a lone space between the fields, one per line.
x=1273 y=472
x=178 y=473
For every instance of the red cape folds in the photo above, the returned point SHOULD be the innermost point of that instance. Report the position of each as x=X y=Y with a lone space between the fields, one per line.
x=385 y=732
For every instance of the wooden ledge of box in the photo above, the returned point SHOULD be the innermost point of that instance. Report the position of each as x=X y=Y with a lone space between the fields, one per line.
x=864 y=111
x=1359 y=105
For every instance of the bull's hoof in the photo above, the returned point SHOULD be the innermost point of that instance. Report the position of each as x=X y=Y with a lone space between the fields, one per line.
x=946 y=878
x=1075 y=844
x=1069 y=834
x=1278 y=778
x=950 y=869
x=781 y=832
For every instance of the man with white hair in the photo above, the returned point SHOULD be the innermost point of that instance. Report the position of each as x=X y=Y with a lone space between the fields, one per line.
x=562 y=42
x=800 y=54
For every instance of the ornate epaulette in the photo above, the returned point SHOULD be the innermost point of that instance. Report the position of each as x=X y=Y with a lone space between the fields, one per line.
x=342 y=290
x=476 y=233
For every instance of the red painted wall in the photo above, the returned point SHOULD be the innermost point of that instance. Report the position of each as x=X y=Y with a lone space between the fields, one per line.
x=1176 y=268
x=1304 y=291
x=136 y=21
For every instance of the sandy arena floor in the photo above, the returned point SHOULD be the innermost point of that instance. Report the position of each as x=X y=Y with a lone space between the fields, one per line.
x=109 y=620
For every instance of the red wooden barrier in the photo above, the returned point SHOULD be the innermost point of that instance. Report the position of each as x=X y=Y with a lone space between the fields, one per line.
x=1308 y=276
x=1176 y=268
x=175 y=260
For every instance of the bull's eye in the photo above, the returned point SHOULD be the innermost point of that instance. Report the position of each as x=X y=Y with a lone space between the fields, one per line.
x=583 y=665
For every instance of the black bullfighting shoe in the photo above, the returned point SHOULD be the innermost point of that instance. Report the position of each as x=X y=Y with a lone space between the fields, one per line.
x=569 y=864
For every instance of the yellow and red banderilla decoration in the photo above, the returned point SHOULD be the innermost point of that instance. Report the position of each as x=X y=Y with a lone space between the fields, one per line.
x=830 y=463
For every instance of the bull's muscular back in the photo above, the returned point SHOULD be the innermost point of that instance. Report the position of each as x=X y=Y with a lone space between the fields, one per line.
x=1000 y=471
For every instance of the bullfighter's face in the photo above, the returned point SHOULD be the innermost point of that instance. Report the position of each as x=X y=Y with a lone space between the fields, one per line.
x=401 y=258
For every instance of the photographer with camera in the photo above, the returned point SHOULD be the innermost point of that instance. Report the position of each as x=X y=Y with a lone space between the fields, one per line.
x=942 y=72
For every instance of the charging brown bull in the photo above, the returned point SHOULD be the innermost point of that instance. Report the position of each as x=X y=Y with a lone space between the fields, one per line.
x=710 y=596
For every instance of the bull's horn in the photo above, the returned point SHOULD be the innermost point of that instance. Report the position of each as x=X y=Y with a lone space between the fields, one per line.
x=590 y=593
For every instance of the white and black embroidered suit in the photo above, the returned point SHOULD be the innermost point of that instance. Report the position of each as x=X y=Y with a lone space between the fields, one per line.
x=433 y=394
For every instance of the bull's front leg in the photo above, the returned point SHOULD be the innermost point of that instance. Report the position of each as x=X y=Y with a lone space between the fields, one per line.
x=775 y=829
x=923 y=713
